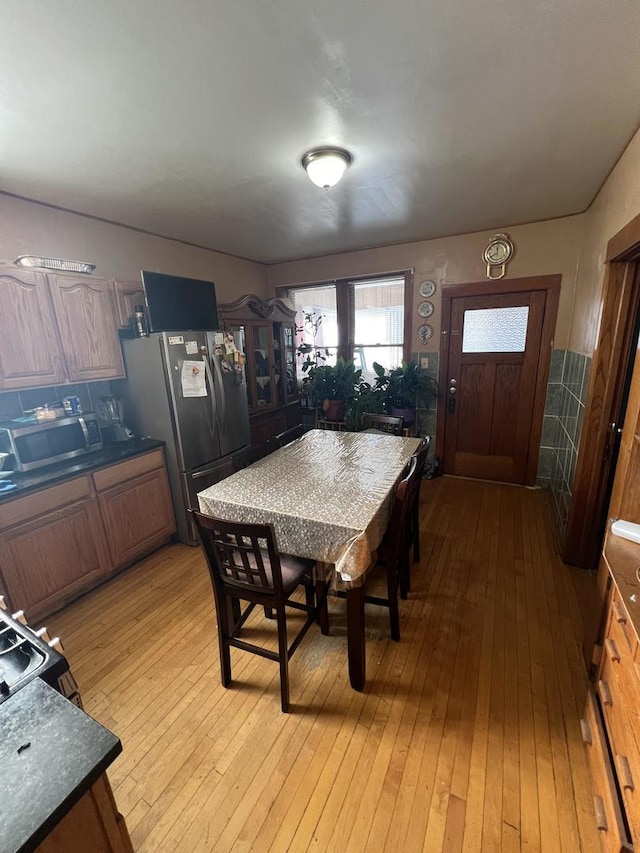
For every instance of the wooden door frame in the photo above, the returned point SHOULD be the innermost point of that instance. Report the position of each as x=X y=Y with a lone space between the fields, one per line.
x=550 y=283
x=620 y=305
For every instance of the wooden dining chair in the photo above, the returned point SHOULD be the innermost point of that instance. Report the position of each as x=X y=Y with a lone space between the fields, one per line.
x=245 y=565
x=390 y=556
x=413 y=517
x=393 y=550
x=373 y=422
x=289 y=435
x=254 y=453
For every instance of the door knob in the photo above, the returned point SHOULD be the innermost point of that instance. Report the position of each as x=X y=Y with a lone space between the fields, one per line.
x=452 y=389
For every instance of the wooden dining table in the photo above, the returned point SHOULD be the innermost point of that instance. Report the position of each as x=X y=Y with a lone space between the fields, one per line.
x=328 y=496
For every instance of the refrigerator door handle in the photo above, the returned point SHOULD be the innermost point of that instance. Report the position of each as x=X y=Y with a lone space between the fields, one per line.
x=223 y=398
x=209 y=375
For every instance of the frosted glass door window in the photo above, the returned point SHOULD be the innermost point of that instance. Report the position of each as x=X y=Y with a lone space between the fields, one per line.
x=495 y=329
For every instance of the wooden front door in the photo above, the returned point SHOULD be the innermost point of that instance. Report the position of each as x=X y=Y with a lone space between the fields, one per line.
x=494 y=372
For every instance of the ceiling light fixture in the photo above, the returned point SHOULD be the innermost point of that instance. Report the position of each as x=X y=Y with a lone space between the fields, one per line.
x=325 y=166
x=54 y=264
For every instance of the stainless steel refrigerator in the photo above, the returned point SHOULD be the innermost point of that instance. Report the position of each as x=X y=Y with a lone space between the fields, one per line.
x=189 y=390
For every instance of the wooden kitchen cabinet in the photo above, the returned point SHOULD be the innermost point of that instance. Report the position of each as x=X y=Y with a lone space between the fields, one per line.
x=56 y=329
x=85 y=313
x=128 y=295
x=49 y=557
x=31 y=352
x=94 y=823
x=135 y=504
x=63 y=540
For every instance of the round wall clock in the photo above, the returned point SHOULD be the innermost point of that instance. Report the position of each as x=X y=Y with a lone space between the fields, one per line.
x=427 y=288
x=497 y=254
x=425 y=309
x=425 y=333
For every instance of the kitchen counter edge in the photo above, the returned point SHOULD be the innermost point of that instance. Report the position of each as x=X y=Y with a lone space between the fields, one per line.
x=110 y=455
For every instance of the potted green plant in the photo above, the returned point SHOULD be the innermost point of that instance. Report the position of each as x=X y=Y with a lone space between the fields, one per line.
x=311 y=356
x=404 y=388
x=367 y=398
x=332 y=386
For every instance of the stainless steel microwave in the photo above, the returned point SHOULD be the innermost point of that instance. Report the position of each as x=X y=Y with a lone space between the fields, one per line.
x=34 y=445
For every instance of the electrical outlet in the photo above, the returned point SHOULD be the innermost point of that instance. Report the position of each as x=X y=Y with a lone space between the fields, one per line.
x=424 y=362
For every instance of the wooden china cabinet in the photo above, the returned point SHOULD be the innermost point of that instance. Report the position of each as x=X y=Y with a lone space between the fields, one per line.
x=267 y=330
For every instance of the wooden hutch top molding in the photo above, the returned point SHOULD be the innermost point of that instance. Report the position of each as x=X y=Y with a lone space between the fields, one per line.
x=250 y=306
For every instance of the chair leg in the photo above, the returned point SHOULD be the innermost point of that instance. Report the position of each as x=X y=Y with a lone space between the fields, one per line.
x=404 y=577
x=225 y=626
x=284 y=658
x=268 y=613
x=416 y=534
x=392 y=594
x=322 y=589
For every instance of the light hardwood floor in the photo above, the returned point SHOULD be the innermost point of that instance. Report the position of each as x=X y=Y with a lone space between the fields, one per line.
x=466 y=737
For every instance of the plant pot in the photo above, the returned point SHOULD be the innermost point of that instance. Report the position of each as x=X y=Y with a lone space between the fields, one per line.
x=333 y=410
x=409 y=415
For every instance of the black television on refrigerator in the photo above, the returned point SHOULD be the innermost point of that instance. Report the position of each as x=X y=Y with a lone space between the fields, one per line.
x=178 y=304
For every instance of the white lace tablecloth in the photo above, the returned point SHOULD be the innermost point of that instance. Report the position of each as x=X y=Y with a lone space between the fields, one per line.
x=327 y=494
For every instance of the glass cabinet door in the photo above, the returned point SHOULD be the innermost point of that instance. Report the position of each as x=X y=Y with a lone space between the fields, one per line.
x=289 y=362
x=263 y=367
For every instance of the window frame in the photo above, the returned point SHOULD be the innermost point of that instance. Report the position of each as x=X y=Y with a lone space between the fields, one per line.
x=345 y=306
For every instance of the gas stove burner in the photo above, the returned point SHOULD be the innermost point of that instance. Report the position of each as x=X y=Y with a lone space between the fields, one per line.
x=23 y=656
x=18 y=659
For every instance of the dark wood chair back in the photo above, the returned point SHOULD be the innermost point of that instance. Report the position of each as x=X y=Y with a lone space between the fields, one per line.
x=413 y=514
x=384 y=423
x=245 y=565
x=254 y=453
x=291 y=434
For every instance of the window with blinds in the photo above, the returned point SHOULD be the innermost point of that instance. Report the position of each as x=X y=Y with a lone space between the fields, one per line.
x=377 y=321
x=362 y=319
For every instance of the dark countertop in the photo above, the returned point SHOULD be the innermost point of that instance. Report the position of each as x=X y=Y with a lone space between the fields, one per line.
x=47 y=476
x=51 y=752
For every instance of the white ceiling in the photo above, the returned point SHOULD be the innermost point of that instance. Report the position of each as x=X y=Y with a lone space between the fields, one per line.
x=188 y=119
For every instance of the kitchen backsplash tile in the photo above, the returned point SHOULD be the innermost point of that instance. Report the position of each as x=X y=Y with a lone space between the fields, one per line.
x=14 y=403
x=10 y=407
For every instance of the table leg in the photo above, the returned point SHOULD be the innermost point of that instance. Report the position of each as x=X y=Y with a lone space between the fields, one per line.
x=355 y=637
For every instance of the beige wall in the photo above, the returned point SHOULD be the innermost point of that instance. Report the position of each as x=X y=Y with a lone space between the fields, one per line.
x=616 y=204
x=27 y=228
x=542 y=248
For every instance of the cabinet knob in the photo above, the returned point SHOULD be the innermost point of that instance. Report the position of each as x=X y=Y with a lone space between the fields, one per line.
x=605 y=693
x=612 y=650
x=601 y=816
x=626 y=777
x=585 y=728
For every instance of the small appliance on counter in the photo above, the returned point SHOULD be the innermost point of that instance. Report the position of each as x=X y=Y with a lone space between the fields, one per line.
x=111 y=413
x=34 y=442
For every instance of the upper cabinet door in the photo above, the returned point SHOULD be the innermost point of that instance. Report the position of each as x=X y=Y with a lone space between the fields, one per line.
x=30 y=352
x=88 y=330
x=128 y=295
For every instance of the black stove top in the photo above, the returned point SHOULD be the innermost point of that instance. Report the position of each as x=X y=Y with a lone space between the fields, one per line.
x=24 y=656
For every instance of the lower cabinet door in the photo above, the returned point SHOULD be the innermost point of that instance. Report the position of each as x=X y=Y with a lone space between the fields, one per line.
x=50 y=560
x=137 y=516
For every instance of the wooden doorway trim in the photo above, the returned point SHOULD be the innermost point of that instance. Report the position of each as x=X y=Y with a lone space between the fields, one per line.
x=550 y=283
x=620 y=306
